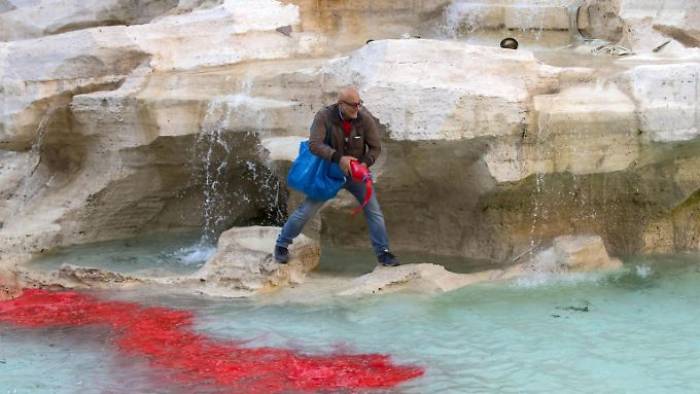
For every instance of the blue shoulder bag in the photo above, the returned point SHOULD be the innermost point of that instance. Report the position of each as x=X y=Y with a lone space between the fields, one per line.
x=314 y=176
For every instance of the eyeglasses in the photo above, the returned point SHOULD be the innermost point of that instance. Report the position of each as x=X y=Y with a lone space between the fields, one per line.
x=356 y=105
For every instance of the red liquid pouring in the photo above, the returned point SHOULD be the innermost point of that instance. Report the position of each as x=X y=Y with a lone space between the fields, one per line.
x=166 y=338
x=361 y=173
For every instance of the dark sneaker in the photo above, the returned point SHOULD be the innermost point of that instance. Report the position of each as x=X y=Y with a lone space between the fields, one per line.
x=387 y=259
x=281 y=254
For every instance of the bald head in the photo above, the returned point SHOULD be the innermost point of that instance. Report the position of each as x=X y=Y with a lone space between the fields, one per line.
x=349 y=102
x=349 y=93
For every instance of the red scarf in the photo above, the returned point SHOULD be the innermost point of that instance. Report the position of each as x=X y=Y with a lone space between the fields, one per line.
x=347 y=127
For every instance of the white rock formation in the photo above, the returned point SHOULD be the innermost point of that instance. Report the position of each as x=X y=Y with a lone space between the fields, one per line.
x=652 y=23
x=668 y=100
x=31 y=19
x=89 y=277
x=100 y=58
x=488 y=149
x=36 y=81
x=509 y=14
x=567 y=254
x=414 y=277
x=48 y=81
x=236 y=31
x=242 y=266
x=282 y=148
x=9 y=285
x=663 y=28
x=582 y=130
x=479 y=91
x=244 y=262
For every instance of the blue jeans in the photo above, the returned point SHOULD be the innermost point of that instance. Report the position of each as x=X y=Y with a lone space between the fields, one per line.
x=373 y=215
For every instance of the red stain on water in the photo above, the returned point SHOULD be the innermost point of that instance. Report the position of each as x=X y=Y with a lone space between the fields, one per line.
x=166 y=338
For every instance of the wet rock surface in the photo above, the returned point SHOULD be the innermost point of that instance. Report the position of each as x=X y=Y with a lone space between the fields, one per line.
x=568 y=254
x=243 y=261
x=46 y=17
x=94 y=277
x=573 y=254
x=424 y=277
x=10 y=287
x=242 y=266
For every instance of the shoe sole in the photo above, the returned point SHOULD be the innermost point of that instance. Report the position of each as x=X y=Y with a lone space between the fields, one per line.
x=278 y=260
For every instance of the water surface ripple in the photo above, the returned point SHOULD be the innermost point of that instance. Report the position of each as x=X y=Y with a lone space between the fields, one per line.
x=629 y=332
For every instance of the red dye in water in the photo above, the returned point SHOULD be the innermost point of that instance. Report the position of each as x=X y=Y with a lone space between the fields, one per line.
x=166 y=338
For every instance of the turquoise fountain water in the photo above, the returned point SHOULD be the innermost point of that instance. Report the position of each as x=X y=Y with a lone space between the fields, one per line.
x=633 y=331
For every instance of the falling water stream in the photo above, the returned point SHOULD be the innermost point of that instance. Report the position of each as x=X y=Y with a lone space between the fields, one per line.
x=213 y=152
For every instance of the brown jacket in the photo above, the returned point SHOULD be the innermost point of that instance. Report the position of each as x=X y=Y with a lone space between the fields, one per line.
x=363 y=143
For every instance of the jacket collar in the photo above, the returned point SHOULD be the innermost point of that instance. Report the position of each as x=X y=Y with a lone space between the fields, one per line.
x=335 y=114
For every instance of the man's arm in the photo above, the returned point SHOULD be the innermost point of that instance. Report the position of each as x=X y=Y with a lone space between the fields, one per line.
x=317 y=139
x=374 y=143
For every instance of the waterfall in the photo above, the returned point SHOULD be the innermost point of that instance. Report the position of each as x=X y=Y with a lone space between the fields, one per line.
x=574 y=32
x=214 y=154
x=30 y=186
x=210 y=155
x=222 y=153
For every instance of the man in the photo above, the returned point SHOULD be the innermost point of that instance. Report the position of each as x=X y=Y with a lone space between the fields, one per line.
x=353 y=136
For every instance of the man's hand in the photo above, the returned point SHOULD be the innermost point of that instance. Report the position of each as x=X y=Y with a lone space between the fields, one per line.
x=345 y=164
